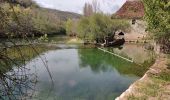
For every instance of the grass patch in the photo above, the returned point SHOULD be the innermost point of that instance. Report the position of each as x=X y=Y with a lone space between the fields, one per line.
x=168 y=61
x=164 y=76
x=150 y=89
x=132 y=97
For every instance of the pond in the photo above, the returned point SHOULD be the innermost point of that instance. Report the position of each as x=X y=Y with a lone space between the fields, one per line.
x=86 y=74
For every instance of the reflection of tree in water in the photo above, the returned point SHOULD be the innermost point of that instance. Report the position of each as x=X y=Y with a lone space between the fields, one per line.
x=100 y=61
x=17 y=84
x=92 y=58
x=16 y=81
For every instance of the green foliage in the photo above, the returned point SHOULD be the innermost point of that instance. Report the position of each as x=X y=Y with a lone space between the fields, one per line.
x=157 y=15
x=94 y=58
x=120 y=24
x=164 y=76
x=48 y=24
x=71 y=27
x=3 y=17
x=26 y=3
x=24 y=18
x=69 y=24
x=43 y=38
x=84 y=28
x=18 y=22
x=133 y=97
x=150 y=89
x=99 y=25
x=18 y=55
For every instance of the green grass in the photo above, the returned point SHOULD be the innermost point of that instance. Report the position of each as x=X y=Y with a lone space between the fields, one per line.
x=168 y=61
x=164 y=76
x=154 y=87
x=149 y=89
x=132 y=97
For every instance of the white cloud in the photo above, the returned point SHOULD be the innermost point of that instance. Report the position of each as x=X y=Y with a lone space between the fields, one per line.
x=107 y=6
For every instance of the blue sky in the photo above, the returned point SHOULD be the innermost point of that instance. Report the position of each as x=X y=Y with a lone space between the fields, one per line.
x=107 y=6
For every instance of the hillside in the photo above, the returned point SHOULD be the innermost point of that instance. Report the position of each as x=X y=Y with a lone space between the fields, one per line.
x=57 y=13
x=31 y=19
x=63 y=15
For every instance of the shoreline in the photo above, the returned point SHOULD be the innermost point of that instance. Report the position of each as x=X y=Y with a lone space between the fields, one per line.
x=139 y=90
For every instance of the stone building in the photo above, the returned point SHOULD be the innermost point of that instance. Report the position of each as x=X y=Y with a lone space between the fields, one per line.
x=133 y=11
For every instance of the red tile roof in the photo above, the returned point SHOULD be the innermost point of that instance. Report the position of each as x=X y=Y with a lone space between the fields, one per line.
x=131 y=9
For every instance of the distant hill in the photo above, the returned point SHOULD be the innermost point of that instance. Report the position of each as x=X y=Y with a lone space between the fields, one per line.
x=63 y=15
x=30 y=19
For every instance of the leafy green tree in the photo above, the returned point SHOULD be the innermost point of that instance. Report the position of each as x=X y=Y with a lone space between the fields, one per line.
x=84 y=28
x=88 y=9
x=18 y=20
x=157 y=15
x=46 y=24
x=3 y=17
x=99 y=25
x=29 y=20
x=69 y=26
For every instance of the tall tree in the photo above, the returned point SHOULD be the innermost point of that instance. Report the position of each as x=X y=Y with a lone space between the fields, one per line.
x=88 y=9
x=98 y=26
x=157 y=15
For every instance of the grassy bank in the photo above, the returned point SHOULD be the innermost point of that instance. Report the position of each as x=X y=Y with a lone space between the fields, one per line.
x=154 y=85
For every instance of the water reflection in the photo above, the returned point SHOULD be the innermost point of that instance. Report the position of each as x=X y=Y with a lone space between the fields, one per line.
x=18 y=83
x=16 y=80
x=78 y=74
x=82 y=74
x=99 y=61
x=136 y=52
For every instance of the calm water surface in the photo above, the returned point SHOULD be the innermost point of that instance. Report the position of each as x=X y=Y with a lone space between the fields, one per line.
x=85 y=74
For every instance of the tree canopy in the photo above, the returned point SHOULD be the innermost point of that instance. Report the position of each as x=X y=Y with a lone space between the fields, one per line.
x=24 y=17
x=157 y=15
x=99 y=25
